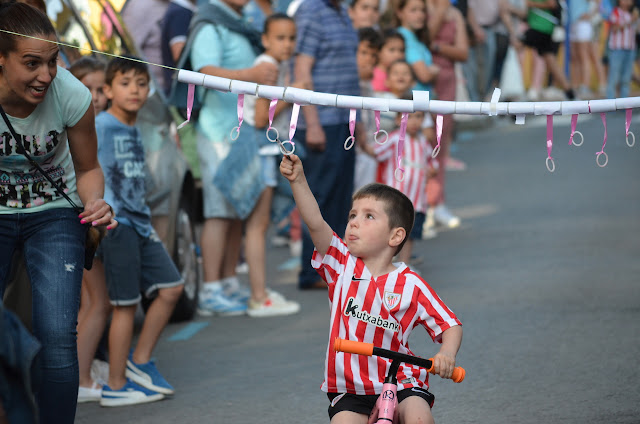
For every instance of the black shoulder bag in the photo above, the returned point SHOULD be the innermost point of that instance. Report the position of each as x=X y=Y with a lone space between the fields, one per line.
x=94 y=234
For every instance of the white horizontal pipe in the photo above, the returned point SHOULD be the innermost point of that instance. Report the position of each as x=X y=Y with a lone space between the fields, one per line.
x=270 y=92
x=400 y=105
x=324 y=99
x=298 y=95
x=244 y=87
x=190 y=77
x=375 y=103
x=349 y=102
x=575 y=107
x=442 y=107
x=627 y=103
x=217 y=83
x=420 y=101
x=599 y=106
x=547 y=108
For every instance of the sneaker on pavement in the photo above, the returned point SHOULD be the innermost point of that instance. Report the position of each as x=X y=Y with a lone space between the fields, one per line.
x=100 y=371
x=236 y=291
x=444 y=217
x=148 y=376
x=130 y=394
x=90 y=394
x=213 y=301
x=275 y=304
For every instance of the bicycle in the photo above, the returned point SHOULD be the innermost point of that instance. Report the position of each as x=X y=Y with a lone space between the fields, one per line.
x=384 y=409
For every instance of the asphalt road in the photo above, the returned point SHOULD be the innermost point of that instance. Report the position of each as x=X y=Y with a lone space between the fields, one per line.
x=543 y=274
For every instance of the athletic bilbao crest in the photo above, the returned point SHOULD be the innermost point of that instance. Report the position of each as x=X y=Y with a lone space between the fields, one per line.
x=391 y=300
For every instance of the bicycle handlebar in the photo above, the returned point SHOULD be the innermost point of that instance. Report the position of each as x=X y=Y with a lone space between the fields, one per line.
x=368 y=349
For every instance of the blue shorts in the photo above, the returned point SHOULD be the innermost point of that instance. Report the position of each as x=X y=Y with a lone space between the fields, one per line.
x=135 y=264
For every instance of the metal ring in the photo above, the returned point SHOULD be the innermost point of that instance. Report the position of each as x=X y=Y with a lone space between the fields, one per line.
x=273 y=140
x=353 y=140
x=386 y=136
x=551 y=167
x=435 y=152
x=236 y=131
x=606 y=159
x=284 y=150
x=633 y=136
x=581 y=138
x=401 y=177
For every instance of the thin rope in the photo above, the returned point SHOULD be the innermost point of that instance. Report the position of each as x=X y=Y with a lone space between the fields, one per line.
x=88 y=49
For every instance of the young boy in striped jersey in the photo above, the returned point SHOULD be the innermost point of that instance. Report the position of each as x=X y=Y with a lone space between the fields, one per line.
x=374 y=300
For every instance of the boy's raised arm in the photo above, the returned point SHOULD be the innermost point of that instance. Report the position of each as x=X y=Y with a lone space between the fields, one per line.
x=321 y=232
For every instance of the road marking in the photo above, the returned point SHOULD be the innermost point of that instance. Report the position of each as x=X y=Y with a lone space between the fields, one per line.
x=188 y=331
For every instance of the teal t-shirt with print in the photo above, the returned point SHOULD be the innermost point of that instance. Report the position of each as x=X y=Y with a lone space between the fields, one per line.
x=44 y=135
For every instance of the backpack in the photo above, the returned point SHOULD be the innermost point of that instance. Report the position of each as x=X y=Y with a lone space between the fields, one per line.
x=206 y=14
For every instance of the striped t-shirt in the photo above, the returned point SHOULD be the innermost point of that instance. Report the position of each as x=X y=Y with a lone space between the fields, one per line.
x=382 y=311
x=625 y=38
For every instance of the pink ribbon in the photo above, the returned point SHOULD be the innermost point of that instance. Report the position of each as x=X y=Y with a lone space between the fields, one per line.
x=550 y=164
x=439 y=121
x=272 y=113
x=574 y=124
x=403 y=133
x=240 y=109
x=378 y=131
x=377 y=119
x=190 y=96
x=627 y=126
x=603 y=116
x=352 y=128
x=295 y=112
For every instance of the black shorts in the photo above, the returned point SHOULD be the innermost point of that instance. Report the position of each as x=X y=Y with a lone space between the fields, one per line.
x=540 y=41
x=363 y=404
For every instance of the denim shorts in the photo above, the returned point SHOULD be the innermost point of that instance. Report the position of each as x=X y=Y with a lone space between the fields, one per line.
x=269 y=170
x=135 y=264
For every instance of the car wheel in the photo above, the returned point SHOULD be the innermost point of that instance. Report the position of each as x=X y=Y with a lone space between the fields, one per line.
x=185 y=256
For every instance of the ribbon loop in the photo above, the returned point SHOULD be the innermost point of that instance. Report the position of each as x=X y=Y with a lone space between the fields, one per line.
x=190 y=96
x=403 y=133
x=235 y=132
x=439 y=121
x=603 y=116
x=378 y=130
x=551 y=166
x=272 y=112
x=574 y=124
x=627 y=125
x=350 y=141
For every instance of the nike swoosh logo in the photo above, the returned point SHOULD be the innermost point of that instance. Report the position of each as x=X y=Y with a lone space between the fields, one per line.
x=359 y=279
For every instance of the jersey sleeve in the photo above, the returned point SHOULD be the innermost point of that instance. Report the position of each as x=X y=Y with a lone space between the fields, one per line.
x=435 y=315
x=332 y=264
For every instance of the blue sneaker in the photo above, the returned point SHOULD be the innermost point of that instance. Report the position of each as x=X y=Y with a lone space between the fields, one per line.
x=148 y=376
x=213 y=301
x=130 y=394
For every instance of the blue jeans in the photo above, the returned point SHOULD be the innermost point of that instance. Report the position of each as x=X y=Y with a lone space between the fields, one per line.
x=53 y=246
x=620 y=72
x=330 y=177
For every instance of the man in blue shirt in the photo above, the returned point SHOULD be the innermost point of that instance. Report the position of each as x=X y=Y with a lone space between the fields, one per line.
x=326 y=61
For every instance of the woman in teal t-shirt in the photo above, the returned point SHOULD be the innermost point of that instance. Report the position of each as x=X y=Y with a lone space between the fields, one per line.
x=51 y=113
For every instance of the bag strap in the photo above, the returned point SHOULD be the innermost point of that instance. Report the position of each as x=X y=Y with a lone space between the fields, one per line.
x=35 y=164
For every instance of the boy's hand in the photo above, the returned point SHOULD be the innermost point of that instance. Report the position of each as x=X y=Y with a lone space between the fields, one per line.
x=443 y=364
x=291 y=168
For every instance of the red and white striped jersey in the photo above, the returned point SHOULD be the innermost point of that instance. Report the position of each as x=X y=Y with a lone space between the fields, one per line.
x=625 y=38
x=416 y=159
x=382 y=311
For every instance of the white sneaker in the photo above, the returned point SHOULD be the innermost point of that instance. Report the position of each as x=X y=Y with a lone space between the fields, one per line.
x=295 y=248
x=275 y=304
x=213 y=301
x=444 y=217
x=90 y=394
x=533 y=95
x=100 y=371
x=429 y=227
